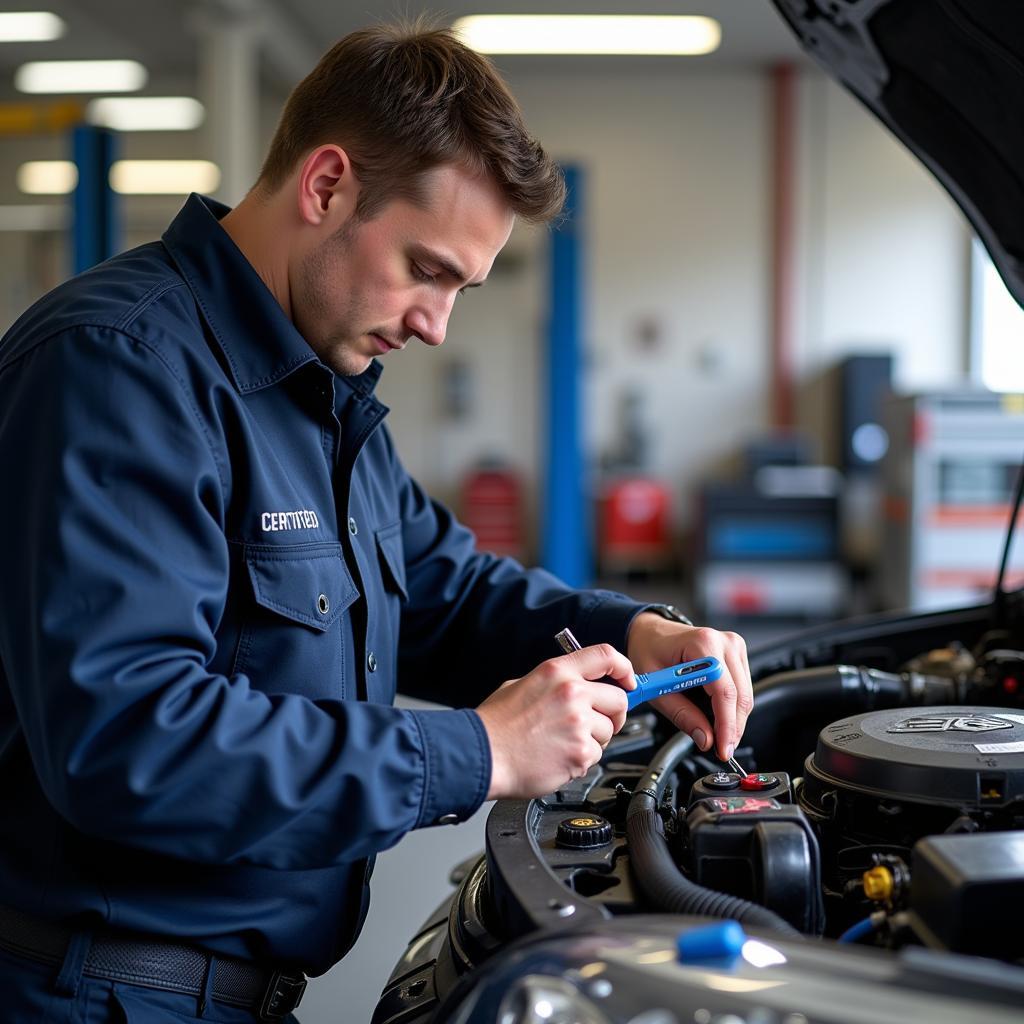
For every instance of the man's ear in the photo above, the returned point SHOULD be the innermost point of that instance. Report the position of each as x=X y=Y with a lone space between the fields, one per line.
x=327 y=188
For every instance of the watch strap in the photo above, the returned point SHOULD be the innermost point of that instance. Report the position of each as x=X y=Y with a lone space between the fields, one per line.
x=668 y=611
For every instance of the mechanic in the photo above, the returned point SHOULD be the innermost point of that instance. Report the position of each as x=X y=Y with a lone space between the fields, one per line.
x=211 y=547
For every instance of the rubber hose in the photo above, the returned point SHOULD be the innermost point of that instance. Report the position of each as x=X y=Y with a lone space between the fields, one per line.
x=834 y=691
x=671 y=891
x=657 y=873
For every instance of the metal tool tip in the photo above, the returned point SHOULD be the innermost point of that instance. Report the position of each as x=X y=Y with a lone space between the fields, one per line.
x=567 y=641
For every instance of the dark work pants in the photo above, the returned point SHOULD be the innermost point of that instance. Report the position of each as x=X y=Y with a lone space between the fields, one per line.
x=34 y=993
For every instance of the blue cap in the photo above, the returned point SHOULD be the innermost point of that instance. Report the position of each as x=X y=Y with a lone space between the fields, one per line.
x=722 y=941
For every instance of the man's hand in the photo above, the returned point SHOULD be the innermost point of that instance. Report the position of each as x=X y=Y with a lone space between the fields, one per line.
x=553 y=724
x=655 y=642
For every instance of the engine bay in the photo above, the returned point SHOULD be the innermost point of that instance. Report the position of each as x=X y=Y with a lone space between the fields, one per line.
x=882 y=810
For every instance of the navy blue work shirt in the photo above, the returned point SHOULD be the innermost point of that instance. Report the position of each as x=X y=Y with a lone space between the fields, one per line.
x=215 y=570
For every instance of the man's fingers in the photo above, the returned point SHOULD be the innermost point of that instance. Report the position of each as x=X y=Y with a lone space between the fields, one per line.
x=607 y=698
x=745 y=699
x=610 y=702
x=602 y=729
x=652 y=644
x=736 y=699
x=723 y=702
x=602 y=660
x=686 y=717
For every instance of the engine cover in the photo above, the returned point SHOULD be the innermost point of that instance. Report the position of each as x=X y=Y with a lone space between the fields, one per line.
x=881 y=780
x=969 y=758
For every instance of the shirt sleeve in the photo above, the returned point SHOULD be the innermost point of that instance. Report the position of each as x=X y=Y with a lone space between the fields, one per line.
x=474 y=620
x=115 y=569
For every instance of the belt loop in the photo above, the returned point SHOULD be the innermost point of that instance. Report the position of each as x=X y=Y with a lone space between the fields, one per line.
x=74 y=963
x=206 y=993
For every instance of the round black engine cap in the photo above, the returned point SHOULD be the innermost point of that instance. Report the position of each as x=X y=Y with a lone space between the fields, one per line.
x=959 y=756
x=583 y=832
x=721 y=780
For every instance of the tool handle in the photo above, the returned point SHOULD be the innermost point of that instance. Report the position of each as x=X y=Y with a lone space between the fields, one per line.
x=673 y=679
x=656 y=684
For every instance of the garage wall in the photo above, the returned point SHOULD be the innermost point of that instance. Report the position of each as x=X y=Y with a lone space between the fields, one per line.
x=678 y=278
x=883 y=254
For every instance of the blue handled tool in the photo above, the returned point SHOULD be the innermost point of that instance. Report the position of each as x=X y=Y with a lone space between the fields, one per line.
x=656 y=684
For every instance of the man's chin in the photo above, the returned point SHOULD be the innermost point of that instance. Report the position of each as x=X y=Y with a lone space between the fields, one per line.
x=346 y=359
x=352 y=366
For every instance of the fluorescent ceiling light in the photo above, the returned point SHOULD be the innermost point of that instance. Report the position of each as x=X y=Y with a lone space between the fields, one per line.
x=164 y=177
x=61 y=76
x=130 y=177
x=30 y=27
x=47 y=177
x=146 y=113
x=670 y=35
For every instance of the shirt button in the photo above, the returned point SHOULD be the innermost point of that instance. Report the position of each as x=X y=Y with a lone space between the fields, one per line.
x=352 y=527
x=323 y=606
x=371 y=661
x=448 y=819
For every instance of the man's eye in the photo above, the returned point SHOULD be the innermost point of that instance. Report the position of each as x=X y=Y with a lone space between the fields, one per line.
x=420 y=274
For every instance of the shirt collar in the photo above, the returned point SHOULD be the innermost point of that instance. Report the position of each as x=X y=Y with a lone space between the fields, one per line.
x=260 y=343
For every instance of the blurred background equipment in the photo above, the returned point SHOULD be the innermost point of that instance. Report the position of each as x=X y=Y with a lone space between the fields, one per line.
x=768 y=544
x=864 y=381
x=634 y=527
x=864 y=384
x=950 y=476
x=492 y=507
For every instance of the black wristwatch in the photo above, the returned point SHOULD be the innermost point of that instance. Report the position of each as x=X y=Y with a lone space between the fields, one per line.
x=668 y=611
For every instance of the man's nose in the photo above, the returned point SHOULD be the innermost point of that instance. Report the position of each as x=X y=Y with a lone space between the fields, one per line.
x=429 y=320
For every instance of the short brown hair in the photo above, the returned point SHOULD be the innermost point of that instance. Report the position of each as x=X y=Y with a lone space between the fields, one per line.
x=403 y=99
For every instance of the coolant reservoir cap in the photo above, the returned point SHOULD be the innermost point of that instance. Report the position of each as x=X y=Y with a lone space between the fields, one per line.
x=583 y=832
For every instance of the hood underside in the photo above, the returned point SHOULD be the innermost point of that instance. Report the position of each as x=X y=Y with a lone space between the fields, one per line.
x=947 y=78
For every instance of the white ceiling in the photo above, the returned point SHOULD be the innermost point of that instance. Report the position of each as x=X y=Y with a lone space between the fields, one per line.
x=163 y=33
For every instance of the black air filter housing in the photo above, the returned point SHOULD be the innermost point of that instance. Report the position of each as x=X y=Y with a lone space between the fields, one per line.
x=894 y=776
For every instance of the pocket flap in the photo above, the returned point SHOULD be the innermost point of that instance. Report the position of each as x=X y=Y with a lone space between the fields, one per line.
x=392 y=556
x=309 y=584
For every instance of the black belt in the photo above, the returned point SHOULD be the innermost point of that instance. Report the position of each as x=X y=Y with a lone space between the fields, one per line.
x=168 y=966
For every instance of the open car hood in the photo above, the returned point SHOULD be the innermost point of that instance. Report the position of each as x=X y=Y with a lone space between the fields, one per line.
x=947 y=78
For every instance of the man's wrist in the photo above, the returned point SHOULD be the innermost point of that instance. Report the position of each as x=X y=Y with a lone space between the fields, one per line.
x=668 y=611
x=645 y=630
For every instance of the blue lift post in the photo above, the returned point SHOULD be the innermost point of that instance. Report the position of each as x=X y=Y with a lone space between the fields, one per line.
x=567 y=546
x=95 y=227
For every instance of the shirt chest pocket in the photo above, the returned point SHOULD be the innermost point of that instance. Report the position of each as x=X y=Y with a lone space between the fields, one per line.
x=295 y=634
x=392 y=559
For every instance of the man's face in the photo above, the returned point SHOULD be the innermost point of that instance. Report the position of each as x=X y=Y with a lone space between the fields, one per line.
x=372 y=285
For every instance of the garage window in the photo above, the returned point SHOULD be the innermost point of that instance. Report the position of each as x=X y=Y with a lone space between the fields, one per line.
x=997 y=328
